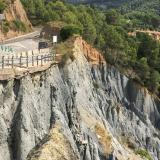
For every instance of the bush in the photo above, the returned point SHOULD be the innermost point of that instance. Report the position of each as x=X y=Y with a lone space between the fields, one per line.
x=5 y=26
x=96 y=85
x=65 y=49
x=66 y=57
x=20 y=26
x=69 y=31
x=154 y=81
x=2 y=6
x=143 y=153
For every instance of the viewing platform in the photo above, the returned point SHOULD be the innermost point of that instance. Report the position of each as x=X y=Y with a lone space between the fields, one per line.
x=15 y=65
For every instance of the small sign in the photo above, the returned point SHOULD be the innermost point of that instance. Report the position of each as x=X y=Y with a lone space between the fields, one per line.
x=54 y=39
x=2 y=17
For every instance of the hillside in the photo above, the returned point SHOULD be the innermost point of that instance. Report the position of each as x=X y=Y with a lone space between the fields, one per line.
x=108 y=30
x=16 y=21
x=94 y=95
x=131 y=4
x=78 y=110
x=102 y=3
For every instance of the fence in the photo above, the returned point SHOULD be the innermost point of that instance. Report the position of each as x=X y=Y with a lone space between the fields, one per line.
x=26 y=59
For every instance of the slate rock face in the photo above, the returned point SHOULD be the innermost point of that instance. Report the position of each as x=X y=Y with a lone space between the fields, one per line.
x=93 y=111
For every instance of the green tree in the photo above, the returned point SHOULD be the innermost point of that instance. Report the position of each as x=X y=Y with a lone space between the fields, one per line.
x=143 y=69
x=113 y=38
x=69 y=17
x=112 y=17
x=69 y=31
x=148 y=48
x=114 y=44
x=89 y=30
x=154 y=81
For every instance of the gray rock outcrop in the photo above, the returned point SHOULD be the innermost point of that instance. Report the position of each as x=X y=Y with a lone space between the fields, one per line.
x=88 y=101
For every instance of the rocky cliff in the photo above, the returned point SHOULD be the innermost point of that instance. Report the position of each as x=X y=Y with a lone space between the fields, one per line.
x=79 y=111
x=14 y=12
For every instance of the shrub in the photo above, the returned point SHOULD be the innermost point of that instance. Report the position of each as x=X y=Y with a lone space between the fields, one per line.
x=154 y=81
x=2 y=6
x=5 y=26
x=128 y=141
x=96 y=85
x=66 y=57
x=64 y=52
x=143 y=153
x=20 y=26
x=69 y=31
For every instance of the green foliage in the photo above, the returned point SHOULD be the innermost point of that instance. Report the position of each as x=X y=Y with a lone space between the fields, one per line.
x=113 y=38
x=144 y=20
x=148 y=47
x=2 y=5
x=142 y=13
x=69 y=31
x=143 y=154
x=143 y=69
x=19 y=26
x=5 y=27
x=89 y=30
x=154 y=81
x=65 y=49
x=112 y=17
x=108 y=31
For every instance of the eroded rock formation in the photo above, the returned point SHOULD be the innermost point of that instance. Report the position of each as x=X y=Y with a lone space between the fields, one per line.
x=78 y=111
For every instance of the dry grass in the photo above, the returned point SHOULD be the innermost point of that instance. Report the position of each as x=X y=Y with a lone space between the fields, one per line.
x=65 y=47
x=57 y=147
x=104 y=138
x=64 y=51
x=97 y=127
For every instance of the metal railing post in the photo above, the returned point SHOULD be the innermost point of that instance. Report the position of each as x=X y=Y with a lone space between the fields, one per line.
x=37 y=60
x=12 y=61
x=41 y=60
x=8 y=62
x=32 y=59
x=20 y=60
x=51 y=58
x=2 y=62
x=47 y=58
x=26 y=59
x=44 y=58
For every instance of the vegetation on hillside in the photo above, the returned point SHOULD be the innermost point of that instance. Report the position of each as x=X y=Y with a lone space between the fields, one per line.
x=15 y=25
x=108 y=31
x=143 y=154
x=2 y=6
x=69 y=30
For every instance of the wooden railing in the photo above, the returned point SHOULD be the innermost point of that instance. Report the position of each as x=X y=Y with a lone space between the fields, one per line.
x=26 y=59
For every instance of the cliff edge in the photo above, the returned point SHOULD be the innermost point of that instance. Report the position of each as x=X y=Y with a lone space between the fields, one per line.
x=79 y=111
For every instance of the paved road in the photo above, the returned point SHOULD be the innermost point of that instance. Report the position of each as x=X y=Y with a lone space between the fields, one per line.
x=23 y=43
x=23 y=37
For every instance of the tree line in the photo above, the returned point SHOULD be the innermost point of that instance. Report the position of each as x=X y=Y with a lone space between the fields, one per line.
x=107 y=30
